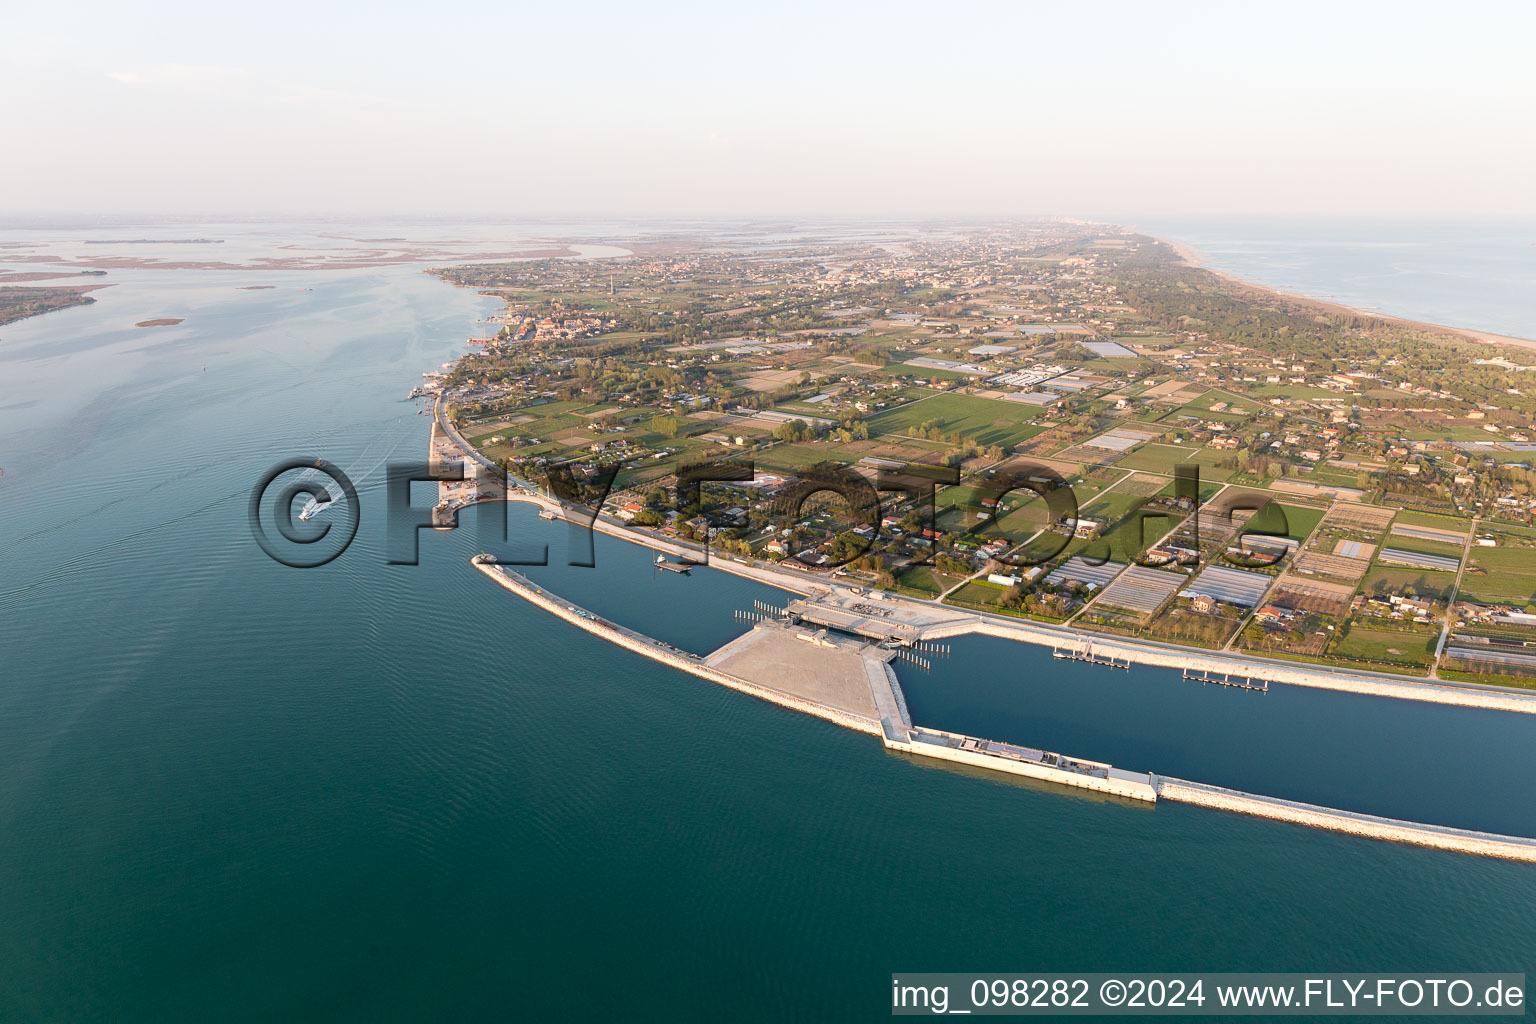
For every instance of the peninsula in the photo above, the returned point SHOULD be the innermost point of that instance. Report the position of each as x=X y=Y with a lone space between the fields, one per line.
x=1248 y=472
x=20 y=303
x=1062 y=434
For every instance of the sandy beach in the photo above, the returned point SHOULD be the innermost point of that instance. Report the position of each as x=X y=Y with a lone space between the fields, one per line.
x=1192 y=258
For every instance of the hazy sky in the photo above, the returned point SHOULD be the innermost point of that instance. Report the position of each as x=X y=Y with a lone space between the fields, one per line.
x=882 y=109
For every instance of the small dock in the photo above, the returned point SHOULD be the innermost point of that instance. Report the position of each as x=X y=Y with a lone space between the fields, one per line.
x=1243 y=683
x=1086 y=655
x=675 y=563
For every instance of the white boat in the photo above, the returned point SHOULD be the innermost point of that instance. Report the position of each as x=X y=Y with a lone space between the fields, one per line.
x=313 y=506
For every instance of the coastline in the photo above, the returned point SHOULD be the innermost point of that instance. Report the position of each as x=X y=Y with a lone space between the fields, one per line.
x=896 y=732
x=1192 y=258
x=1140 y=652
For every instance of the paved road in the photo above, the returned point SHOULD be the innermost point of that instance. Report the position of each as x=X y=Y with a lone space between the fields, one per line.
x=1450 y=600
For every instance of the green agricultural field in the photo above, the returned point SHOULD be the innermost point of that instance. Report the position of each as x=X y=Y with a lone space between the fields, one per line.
x=1510 y=535
x=1201 y=408
x=1206 y=459
x=1112 y=505
x=1382 y=580
x=1303 y=391
x=924 y=581
x=954 y=519
x=988 y=420
x=1449 y=434
x=1149 y=425
x=822 y=410
x=1136 y=533
x=1208 y=489
x=963 y=495
x=1048 y=547
x=1501 y=575
x=497 y=452
x=482 y=439
x=1298 y=521
x=799 y=455
x=1497 y=678
x=1019 y=525
x=546 y=420
x=967 y=494
x=926 y=372
x=1415 y=649
x=1423 y=547
x=1151 y=341
x=1155 y=458
x=1020 y=502
x=1332 y=476
x=977 y=594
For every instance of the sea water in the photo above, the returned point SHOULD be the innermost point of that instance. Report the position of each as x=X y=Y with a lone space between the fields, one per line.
x=232 y=790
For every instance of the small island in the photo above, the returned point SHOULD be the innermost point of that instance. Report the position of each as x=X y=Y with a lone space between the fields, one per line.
x=165 y=321
x=154 y=241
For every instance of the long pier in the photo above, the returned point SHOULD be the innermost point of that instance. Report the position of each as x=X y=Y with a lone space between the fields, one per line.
x=885 y=713
x=1440 y=837
x=882 y=712
x=889 y=715
x=656 y=650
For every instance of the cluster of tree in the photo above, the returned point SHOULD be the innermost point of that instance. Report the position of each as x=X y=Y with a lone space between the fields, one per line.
x=852 y=429
x=869 y=563
x=1176 y=297
x=931 y=430
x=847 y=548
x=950 y=565
x=795 y=430
x=1033 y=602
x=968 y=449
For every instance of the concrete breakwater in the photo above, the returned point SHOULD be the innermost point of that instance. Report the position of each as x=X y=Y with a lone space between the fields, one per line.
x=1216 y=664
x=888 y=718
x=857 y=688
x=668 y=655
x=1016 y=760
x=932 y=621
x=1485 y=844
